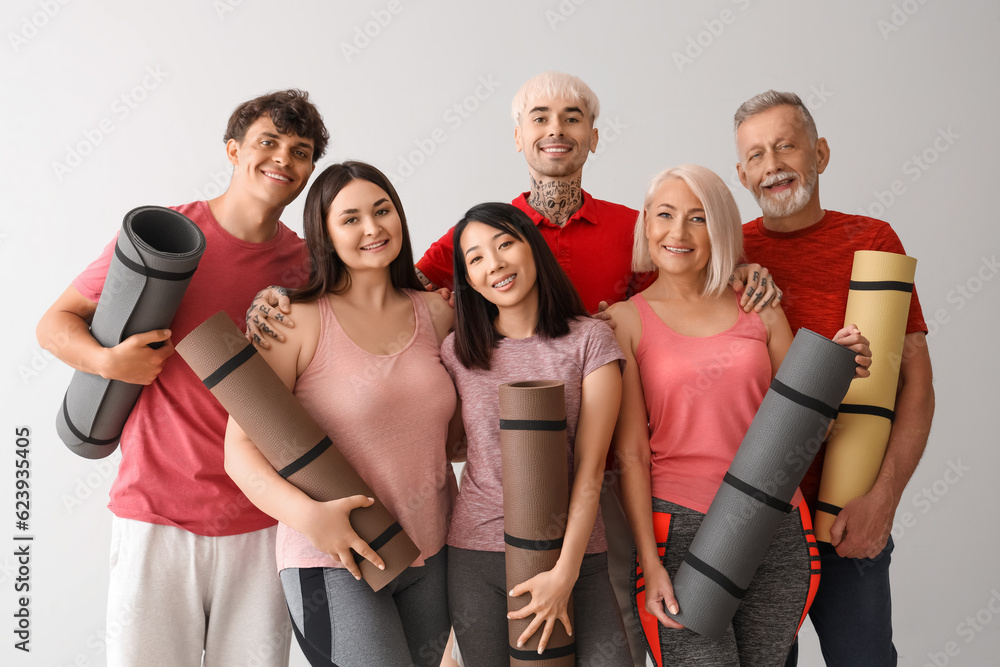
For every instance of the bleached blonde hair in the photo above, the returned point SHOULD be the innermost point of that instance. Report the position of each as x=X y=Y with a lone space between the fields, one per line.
x=555 y=84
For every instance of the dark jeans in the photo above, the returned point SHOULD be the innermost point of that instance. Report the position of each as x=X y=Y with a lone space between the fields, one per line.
x=852 y=612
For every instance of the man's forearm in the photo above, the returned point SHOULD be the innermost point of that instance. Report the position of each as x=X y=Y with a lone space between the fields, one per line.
x=68 y=338
x=428 y=285
x=912 y=424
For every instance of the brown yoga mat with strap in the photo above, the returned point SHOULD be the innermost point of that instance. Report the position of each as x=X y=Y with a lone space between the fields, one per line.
x=290 y=439
x=879 y=304
x=534 y=454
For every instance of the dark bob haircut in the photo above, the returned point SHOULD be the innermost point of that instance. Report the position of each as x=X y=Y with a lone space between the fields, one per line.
x=558 y=300
x=328 y=273
x=290 y=111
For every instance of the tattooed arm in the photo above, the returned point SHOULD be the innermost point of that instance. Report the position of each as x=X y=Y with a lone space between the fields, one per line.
x=756 y=285
x=267 y=317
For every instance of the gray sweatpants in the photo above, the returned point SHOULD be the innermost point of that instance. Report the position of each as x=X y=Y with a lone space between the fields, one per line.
x=341 y=621
x=769 y=615
x=477 y=597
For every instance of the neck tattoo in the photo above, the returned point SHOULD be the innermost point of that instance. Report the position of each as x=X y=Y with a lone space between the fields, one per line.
x=556 y=200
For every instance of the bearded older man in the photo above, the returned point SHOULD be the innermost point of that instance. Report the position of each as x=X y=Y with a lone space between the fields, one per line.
x=780 y=159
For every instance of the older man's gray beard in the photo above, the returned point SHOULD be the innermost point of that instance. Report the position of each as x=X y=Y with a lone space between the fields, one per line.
x=789 y=202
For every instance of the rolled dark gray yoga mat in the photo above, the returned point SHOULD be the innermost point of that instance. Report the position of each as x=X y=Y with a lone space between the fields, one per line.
x=534 y=451
x=291 y=441
x=755 y=495
x=157 y=252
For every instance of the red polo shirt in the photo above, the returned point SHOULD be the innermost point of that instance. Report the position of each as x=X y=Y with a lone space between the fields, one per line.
x=594 y=248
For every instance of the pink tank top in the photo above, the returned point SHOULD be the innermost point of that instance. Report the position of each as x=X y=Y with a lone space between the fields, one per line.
x=388 y=415
x=701 y=395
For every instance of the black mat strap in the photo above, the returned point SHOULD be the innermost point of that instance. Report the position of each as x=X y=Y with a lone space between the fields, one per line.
x=757 y=494
x=533 y=545
x=307 y=458
x=880 y=285
x=386 y=535
x=874 y=410
x=231 y=365
x=532 y=425
x=547 y=654
x=814 y=404
x=827 y=508
x=722 y=580
x=84 y=438
x=148 y=272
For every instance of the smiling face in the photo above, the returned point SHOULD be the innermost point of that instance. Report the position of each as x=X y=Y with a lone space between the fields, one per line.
x=270 y=166
x=779 y=163
x=364 y=226
x=555 y=135
x=500 y=266
x=676 y=230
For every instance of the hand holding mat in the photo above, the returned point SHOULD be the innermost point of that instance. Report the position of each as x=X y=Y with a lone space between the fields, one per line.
x=756 y=492
x=533 y=450
x=157 y=252
x=879 y=303
x=290 y=439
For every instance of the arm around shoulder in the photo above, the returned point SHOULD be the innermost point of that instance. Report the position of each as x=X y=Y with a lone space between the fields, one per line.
x=442 y=314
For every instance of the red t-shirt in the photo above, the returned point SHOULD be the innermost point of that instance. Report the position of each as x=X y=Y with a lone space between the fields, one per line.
x=594 y=248
x=813 y=268
x=171 y=471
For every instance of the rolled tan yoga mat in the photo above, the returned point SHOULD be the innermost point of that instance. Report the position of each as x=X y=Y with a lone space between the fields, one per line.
x=756 y=492
x=534 y=454
x=290 y=439
x=879 y=304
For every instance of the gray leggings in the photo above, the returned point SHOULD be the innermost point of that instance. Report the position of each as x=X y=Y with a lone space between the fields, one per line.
x=340 y=621
x=477 y=596
x=769 y=615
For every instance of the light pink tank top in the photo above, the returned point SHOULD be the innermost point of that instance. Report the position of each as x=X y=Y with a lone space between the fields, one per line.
x=388 y=415
x=701 y=395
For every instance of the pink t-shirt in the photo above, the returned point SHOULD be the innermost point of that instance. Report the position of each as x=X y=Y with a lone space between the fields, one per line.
x=701 y=395
x=388 y=415
x=171 y=472
x=478 y=519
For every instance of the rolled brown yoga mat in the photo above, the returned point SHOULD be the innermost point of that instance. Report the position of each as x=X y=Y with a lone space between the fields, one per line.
x=757 y=490
x=879 y=303
x=290 y=439
x=156 y=254
x=534 y=453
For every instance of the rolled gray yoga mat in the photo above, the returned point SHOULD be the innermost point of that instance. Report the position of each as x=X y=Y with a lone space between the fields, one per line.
x=755 y=495
x=157 y=252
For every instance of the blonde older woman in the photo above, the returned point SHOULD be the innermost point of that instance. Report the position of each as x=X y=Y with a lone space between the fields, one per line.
x=697 y=368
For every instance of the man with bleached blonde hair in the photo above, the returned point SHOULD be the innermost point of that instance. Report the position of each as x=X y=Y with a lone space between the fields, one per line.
x=554 y=115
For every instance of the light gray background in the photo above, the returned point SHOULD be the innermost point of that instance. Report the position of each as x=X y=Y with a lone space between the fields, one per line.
x=887 y=81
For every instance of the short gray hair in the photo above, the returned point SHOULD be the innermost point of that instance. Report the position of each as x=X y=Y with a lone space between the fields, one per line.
x=770 y=99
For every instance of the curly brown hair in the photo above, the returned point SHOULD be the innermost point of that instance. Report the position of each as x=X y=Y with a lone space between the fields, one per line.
x=290 y=111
